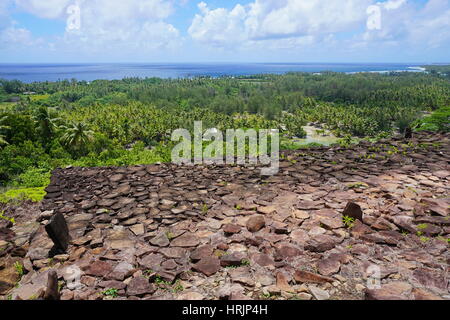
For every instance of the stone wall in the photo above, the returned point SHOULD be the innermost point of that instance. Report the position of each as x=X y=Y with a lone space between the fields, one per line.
x=228 y=232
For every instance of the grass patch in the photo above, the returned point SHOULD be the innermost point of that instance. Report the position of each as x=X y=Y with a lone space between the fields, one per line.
x=358 y=185
x=39 y=97
x=204 y=209
x=33 y=194
x=19 y=269
x=3 y=217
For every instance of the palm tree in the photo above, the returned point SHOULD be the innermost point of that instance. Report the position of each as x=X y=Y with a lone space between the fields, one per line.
x=77 y=135
x=46 y=121
x=3 y=127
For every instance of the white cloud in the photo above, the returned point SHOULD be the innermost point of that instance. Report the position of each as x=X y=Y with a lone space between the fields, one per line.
x=17 y=38
x=123 y=25
x=49 y=9
x=410 y=25
x=13 y=36
x=276 y=19
x=219 y=27
x=392 y=4
x=431 y=25
x=301 y=23
x=5 y=20
x=108 y=26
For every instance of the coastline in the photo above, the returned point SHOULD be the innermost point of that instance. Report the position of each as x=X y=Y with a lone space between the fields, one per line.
x=98 y=71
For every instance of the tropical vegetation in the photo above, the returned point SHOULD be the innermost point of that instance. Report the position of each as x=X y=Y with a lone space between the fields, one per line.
x=45 y=125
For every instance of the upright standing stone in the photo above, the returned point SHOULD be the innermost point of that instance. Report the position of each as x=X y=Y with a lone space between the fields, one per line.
x=408 y=133
x=354 y=211
x=52 y=292
x=58 y=231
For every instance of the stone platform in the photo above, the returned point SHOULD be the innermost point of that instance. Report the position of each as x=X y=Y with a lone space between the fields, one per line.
x=226 y=232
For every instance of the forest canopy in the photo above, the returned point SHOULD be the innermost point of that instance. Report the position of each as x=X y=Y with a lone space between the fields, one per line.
x=45 y=125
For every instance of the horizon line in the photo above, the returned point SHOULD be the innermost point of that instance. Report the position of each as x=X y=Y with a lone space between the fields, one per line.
x=228 y=62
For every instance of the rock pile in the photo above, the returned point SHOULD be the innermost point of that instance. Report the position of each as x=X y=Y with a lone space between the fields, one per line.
x=366 y=222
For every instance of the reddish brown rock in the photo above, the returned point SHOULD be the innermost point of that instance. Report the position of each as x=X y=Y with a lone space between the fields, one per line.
x=8 y=274
x=232 y=260
x=99 y=268
x=255 y=223
x=300 y=236
x=283 y=281
x=112 y=284
x=140 y=286
x=322 y=243
x=421 y=294
x=438 y=206
x=279 y=227
x=331 y=223
x=208 y=266
x=309 y=277
x=174 y=253
x=231 y=229
x=430 y=278
x=121 y=271
x=201 y=252
x=287 y=251
x=359 y=229
x=151 y=261
x=390 y=291
x=329 y=266
x=186 y=240
x=263 y=259
x=160 y=240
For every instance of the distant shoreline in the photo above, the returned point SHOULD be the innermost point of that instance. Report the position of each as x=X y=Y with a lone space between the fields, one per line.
x=89 y=72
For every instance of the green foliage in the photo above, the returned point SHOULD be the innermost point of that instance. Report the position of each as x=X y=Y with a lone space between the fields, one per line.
x=18 y=195
x=245 y=262
x=437 y=121
x=76 y=137
x=346 y=141
x=266 y=296
x=3 y=128
x=13 y=86
x=357 y=185
x=15 y=159
x=21 y=128
x=33 y=178
x=46 y=124
x=422 y=226
x=130 y=121
x=19 y=269
x=349 y=222
x=439 y=70
x=111 y=293
x=3 y=217
x=170 y=235
x=177 y=287
x=204 y=209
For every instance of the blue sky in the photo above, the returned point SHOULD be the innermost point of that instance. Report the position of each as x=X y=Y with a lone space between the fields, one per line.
x=224 y=31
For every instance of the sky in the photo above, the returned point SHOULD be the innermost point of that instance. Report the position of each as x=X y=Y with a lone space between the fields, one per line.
x=85 y=31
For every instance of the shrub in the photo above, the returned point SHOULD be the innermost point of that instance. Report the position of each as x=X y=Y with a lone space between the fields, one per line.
x=33 y=178
x=33 y=194
x=438 y=121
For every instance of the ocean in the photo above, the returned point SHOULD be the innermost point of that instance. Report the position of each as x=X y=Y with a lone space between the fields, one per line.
x=95 y=71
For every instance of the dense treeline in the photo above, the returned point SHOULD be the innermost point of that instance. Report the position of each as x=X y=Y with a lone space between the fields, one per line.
x=439 y=69
x=48 y=124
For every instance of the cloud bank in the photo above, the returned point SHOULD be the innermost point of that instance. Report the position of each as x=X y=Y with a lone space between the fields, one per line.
x=287 y=28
